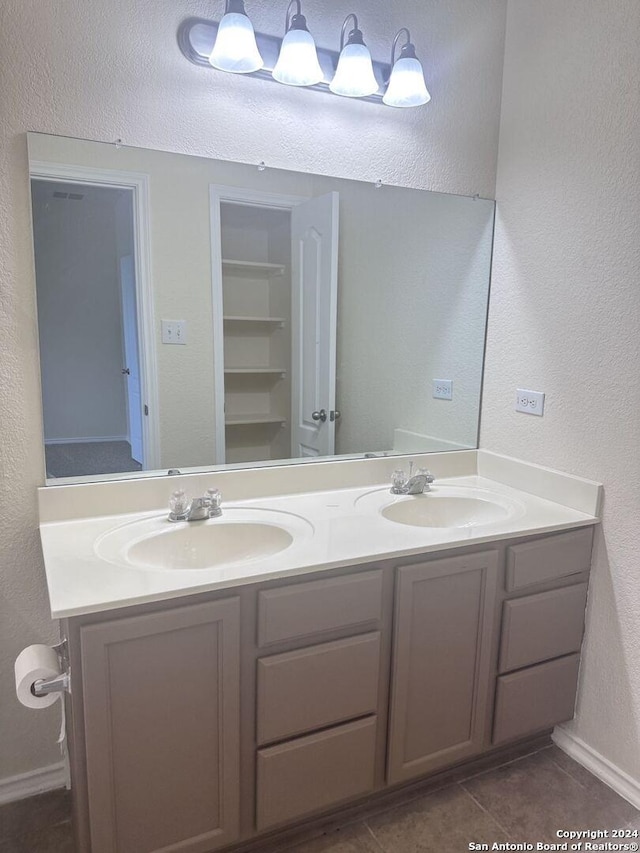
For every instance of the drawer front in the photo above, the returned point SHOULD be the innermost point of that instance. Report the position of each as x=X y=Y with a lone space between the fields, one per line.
x=535 y=699
x=302 y=610
x=543 y=626
x=550 y=558
x=317 y=686
x=314 y=772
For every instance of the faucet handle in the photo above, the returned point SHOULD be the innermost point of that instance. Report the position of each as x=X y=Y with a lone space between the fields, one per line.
x=424 y=472
x=178 y=504
x=399 y=480
x=214 y=498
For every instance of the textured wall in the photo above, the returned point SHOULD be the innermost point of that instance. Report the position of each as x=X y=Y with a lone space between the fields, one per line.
x=105 y=70
x=565 y=309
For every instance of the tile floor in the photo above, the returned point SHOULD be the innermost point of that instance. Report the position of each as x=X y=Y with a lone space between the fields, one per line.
x=528 y=799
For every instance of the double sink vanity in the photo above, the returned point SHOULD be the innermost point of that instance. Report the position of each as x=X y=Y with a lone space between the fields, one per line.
x=320 y=641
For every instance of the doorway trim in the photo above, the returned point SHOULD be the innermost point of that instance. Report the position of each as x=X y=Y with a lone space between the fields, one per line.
x=219 y=194
x=138 y=182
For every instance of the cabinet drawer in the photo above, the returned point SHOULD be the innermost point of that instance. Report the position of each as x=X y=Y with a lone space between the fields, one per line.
x=550 y=558
x=317 y=686
x=542 y=626
x=314 y=772
x=535 y=699
x=305 y=609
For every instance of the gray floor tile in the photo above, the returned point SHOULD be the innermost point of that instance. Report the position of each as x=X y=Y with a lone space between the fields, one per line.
x=53 y=839
x=443 y=822
x=351 y=839
x=533 y=798
x=619 y=809
x=34 y=813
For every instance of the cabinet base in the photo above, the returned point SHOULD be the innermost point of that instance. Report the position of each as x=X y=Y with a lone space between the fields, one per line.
x=386 y=798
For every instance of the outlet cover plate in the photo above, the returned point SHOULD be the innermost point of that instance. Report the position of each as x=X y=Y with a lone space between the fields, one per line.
x=443 y=389
x=530 y=402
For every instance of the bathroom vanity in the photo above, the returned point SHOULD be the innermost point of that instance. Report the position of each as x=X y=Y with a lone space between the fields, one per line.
x=381 y=645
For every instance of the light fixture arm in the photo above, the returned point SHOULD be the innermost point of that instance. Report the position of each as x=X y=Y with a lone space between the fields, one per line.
x=396 y=39
x=290 y=20
x=234 y=6
x=354 y=32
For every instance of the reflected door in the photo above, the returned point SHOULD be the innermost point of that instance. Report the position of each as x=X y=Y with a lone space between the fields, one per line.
x=314 y=267
x=131 y=355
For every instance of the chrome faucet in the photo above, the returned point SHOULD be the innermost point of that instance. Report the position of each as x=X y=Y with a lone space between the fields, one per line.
x=198 y=509
x=411 y=484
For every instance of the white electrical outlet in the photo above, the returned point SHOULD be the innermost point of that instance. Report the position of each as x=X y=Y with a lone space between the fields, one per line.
x=174 y=331
x=530 y=402
x=443 y=389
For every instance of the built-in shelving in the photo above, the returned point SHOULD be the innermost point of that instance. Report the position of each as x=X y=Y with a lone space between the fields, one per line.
x=256 y=320
x=255 y=267
x=245 y=420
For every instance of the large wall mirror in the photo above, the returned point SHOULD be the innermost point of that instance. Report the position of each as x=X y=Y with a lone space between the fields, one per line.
x=195 y=313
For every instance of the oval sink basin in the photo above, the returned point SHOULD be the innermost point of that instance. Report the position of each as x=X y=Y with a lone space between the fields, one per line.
x=444 y=506
x=436 y=511
x=198 y=546
x=238 y=536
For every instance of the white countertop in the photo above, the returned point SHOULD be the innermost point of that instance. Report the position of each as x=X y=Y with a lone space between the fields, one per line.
x=334 y=528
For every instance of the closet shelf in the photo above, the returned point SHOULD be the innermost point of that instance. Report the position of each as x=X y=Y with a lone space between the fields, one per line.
x=241 y=420
x=248 y=371
x=267 y=321
x=256 y=267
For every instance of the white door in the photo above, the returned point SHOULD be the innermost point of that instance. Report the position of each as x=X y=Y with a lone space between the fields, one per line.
x=131 y=357
x=314 y=285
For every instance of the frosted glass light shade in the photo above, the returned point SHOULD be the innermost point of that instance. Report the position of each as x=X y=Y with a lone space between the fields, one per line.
x=354 y=76
x=297 y=63
x=235 y=49
x=406 y=86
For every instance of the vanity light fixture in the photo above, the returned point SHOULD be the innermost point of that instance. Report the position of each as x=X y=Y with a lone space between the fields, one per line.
x=235 y=48
x=354 y=77
x=406 y=84
x=297 y=63
x=295 y=60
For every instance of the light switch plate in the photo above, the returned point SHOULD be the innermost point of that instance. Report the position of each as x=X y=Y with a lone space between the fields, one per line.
x=530 y=402
x=443 y=389
x=174 y=332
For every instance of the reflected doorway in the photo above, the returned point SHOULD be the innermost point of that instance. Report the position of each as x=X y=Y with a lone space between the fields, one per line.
x=93 y=409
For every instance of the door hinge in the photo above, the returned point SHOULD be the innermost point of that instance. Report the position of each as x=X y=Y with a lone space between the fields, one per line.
x=146 y=409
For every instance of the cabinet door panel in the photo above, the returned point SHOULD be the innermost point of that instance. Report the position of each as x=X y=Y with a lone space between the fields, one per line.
x=547 y=559
x=315 y=607
x=541 y=627
x=161 y=708
x=444 y=614
x=314 y=772
x=537 y=698
x=318 y=686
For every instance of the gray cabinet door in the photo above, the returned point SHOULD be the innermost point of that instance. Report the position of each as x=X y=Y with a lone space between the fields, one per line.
x=442 y=646
x=161 y=713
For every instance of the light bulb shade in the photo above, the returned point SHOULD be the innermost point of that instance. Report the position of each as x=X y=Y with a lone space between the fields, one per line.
x=406 y=85
x=298 y=63
x=354 y=77
x=235 y=49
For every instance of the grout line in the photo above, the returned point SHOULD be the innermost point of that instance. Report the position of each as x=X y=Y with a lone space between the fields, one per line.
x=486 y=811
x=570 y=775
x=375 y=839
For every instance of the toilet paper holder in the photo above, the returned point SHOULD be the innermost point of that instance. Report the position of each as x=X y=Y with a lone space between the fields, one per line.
x=58 y=684
x=52 y=685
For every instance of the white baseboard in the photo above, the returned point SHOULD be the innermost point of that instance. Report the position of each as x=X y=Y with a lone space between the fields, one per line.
x=86 y=439
x=605 y=770
x=35 y=782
